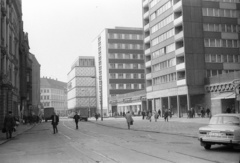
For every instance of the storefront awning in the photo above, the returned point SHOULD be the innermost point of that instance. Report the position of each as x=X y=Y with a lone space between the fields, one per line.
x=226 y=95
x=129 y=104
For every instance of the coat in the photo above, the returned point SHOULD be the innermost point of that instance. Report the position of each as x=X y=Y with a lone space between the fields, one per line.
x=128 y=117
x=76 y=117
x=57 y=120
x=9 y=122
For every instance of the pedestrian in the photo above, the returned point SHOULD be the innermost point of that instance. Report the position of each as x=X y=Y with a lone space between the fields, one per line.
x=143 y=114
x=96 y=116
x=150 y=116
x=9 y=124
x=228 y=110
x=55 y=120
x=156 y=115
x=170 y=112
x=208 y=111
x=166 y=115
x=159 y=113
x=129 y=119
x=76 y=117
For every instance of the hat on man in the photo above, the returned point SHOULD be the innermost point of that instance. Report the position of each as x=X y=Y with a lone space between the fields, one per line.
x=10 y=112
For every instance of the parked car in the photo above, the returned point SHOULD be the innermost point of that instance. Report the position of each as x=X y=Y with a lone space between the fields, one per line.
x=223 y=129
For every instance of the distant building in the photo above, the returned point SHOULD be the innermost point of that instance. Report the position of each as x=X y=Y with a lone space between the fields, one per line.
x=187 y=42
x=54 y=94
x=35 y=84
x=82 y=90
x=120 y=64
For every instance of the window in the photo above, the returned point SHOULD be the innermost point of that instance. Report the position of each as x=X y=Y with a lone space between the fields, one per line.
x=120 y=76
x=112 y=76
x=135 y=66
x=135 y=86
x=142 y=76
x=128 y=76
x=135 y=76
x=135 y=56
x=120 y=86
x=120 y=56
x=127 y=66
x=112 y=65
x=128 y=86
x=120 y=66
x=113 y=86
x=127 y=56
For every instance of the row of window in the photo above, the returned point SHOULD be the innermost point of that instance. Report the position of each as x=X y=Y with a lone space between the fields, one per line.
x=219 y=58
x=53 y=97
x=212 y=42
x=165 y=64
x=126 y=76
x=221 y=28
x=154 y=2
x=210 y=73
x=229 y=1
x=162 y=37
x=125 y=46
x=165 y=50
x=126 y=66
x=162 y=23
x=53 y=91
x=44 y=97
x=45 y=104
x=125 y=36
x=215 y=12
x=161 y=10
x=127 y=86
x=165 y=78
x=44 y=90
x=125 y=56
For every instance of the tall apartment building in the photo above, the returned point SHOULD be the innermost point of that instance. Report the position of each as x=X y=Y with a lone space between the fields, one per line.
x=82 y=90
x=186 y=42
x=120 y=64
x=54 y=94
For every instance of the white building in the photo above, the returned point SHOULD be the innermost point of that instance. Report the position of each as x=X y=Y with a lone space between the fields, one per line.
x=82 y=85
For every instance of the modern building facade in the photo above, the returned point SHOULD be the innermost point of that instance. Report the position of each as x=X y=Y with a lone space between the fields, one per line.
x=81 y=86
x=54 y=94
x=120 y=64
x=186 y=42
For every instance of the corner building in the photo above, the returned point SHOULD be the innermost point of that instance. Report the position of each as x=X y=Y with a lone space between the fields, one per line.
x=187 y=42
x=120 y=64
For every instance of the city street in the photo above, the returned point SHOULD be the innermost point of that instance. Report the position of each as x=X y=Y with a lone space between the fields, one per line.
x=110 y=141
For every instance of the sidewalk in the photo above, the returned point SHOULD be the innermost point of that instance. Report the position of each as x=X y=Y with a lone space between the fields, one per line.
x=20 y=129
x=176 y=126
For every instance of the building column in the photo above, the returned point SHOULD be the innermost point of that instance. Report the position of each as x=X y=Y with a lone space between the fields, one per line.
x=153 y=105
x=178 y=106
x=169 y=102
x=188 y=102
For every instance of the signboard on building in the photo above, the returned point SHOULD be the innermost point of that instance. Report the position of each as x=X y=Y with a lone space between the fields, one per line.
x=127 y=100
x=143 y=98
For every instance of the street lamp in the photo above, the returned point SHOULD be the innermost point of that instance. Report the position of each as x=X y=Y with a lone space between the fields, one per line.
x=101 y=102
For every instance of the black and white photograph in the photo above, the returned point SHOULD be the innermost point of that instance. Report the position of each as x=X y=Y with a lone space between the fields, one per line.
x=120 y=81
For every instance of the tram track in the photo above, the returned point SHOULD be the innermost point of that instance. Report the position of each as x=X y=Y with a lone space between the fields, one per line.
x=71 y=126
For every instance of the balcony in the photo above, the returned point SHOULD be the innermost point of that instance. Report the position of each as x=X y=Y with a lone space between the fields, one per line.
x=146 y=15
x=179 y=36
x=146 y=27
x=148 y=64
x=177 y=6
x=179 y=52
x=180 y=66
x=178 y=21
x=145 y=3
x=147 y=51
x=181 y=82
x=149 y=89
x=149 y=76
x=147 y=39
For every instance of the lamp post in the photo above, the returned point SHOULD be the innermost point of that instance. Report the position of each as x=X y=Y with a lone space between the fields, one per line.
x=101 y=103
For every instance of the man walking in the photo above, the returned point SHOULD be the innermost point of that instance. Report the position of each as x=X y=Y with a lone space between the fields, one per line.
x=129 y=119
x=55 y=120
x=9 y=123
x=76 y=118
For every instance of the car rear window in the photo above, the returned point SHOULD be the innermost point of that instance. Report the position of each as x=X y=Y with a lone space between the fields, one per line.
x=227 y=120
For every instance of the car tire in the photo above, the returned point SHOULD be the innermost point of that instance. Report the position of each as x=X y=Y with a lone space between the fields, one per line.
x=207 y=146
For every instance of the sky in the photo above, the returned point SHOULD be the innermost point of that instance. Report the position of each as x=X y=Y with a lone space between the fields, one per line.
x=61 y=30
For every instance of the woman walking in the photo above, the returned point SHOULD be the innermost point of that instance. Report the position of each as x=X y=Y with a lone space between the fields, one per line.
x=129 y=119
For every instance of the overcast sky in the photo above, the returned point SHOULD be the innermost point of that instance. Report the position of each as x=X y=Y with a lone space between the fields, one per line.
x=61 y=30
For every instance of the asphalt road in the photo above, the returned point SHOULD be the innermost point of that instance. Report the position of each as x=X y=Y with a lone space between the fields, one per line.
x=97 y=143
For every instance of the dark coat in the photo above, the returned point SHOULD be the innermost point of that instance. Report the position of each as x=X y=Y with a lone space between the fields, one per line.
x=9 y=122
x=76 y=117
x=57 y=120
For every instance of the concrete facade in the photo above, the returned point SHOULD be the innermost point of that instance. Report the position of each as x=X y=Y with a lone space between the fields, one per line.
x=82 y=92
x=187 y=42
x=120 y=64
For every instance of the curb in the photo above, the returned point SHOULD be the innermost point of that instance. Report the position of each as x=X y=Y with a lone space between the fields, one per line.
x=169 y=133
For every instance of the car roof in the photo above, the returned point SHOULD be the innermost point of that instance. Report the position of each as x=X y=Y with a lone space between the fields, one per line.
x=227 y=115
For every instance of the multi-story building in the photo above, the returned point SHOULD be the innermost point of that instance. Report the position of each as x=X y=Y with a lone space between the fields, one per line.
x=35 y=83
x=10 y=34
x=120 y=64
x=186 y=42
x=54 y=94
x=82 y=90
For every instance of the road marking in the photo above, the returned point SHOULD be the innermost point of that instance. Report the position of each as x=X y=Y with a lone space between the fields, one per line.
x=65 y=135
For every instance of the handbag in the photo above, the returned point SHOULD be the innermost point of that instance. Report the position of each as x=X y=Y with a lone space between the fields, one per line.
x=131 y=122
x=4 y=130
